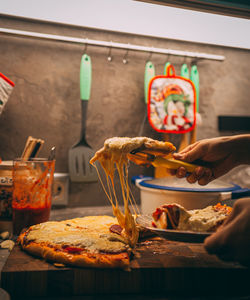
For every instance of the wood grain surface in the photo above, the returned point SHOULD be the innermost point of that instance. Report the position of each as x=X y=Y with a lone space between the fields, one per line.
x=158 y=266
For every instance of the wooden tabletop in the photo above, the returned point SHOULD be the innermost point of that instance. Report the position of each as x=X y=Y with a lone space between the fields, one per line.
x=159 y=267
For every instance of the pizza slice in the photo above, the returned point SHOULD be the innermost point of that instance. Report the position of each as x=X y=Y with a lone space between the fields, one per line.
x=174 y=216
x=93 y=241
x=115 y=155
x=118 y=149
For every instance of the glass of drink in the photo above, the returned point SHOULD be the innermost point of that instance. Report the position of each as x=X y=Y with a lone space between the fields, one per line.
x=32 y=192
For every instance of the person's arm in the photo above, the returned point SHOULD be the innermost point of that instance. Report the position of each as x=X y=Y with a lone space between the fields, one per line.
x=231 y=242
x=217 y=156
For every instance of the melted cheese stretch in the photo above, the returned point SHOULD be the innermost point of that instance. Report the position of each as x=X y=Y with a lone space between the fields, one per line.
x=90 y=233
x=126 y=220
x=114 y=155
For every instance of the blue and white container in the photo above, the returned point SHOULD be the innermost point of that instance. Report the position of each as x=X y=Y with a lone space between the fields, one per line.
x=156 y=192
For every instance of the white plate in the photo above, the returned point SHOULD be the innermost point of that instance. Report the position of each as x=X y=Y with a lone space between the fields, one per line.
x=176 y=235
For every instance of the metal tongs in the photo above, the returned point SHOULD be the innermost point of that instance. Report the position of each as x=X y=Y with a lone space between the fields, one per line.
x=145 y=157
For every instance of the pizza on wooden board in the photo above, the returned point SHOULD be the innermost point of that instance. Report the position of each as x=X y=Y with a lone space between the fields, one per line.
x=93 y=241
x=97 y=241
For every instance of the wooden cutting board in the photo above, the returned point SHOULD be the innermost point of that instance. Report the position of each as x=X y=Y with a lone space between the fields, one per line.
x=159 y=266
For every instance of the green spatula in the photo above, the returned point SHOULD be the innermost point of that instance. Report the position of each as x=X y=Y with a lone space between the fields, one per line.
x=166 y=136
x=80 y=169
x=194 y=76
x=161 y=171
x=184 y=137
x=149 y=73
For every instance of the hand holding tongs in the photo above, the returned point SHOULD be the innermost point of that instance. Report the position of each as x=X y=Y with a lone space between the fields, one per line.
x=144 y=157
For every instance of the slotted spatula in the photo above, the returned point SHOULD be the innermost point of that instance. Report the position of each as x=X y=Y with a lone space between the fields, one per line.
x=80 y=169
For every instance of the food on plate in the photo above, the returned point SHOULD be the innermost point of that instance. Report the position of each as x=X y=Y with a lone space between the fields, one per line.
x=115 y=155
x=93 y=241
x=174 y=216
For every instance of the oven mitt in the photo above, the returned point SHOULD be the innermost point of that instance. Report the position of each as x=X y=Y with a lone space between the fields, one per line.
x=171 y=103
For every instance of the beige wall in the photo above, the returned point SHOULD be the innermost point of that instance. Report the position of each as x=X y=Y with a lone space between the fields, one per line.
x=45 y=102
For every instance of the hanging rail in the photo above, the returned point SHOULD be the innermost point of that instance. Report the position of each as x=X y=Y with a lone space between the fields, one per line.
x=195 y=55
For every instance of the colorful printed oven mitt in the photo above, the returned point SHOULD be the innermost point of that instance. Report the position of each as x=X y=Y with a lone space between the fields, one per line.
x=171 y=103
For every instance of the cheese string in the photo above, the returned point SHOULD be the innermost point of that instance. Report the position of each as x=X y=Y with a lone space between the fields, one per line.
x=130 y=196
x=132 y=200
x=110 y=183
x=125 y=220
x=103 y=186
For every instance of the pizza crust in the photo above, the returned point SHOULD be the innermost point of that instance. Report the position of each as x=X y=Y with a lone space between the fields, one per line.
x=97 y=260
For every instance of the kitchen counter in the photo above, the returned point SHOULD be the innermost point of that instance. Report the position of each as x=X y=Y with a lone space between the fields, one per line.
x=181 y=254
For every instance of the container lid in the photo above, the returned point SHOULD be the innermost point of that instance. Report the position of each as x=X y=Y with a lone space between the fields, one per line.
x=181 y=184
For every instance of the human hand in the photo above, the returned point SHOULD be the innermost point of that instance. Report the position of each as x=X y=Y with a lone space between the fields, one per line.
x=231 y=242
x=214 y=155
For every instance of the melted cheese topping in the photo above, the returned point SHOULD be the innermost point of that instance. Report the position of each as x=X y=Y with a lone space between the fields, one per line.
x=198 y=220
x=90 y=233
x=201 y=219
x=114 y=156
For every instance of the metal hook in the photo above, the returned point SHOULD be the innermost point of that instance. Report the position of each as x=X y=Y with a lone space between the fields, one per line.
x=194 y=61
x=109 y=58
x=150 y=55
x=167 y=60
x=86 y=45
x=125 y=57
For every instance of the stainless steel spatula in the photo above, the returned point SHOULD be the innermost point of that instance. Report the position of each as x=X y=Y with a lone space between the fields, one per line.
x=80 y=169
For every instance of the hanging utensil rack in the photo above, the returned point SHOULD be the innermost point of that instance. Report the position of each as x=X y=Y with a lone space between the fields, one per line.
x=128 y=47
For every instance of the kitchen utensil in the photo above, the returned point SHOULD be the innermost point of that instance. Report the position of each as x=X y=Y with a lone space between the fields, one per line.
x=149 y=73
x=32 y=148
x=52 y=153
x=79 y=155
x=161 y=171
x=166 y=136
x=143 y=158
x=145 y=221
x=156 y=192
x=6 y=87
x=184 y=137
x=194 y=76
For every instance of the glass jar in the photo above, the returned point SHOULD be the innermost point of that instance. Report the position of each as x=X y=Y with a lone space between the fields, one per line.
x=32 y=192
x=6 y=187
